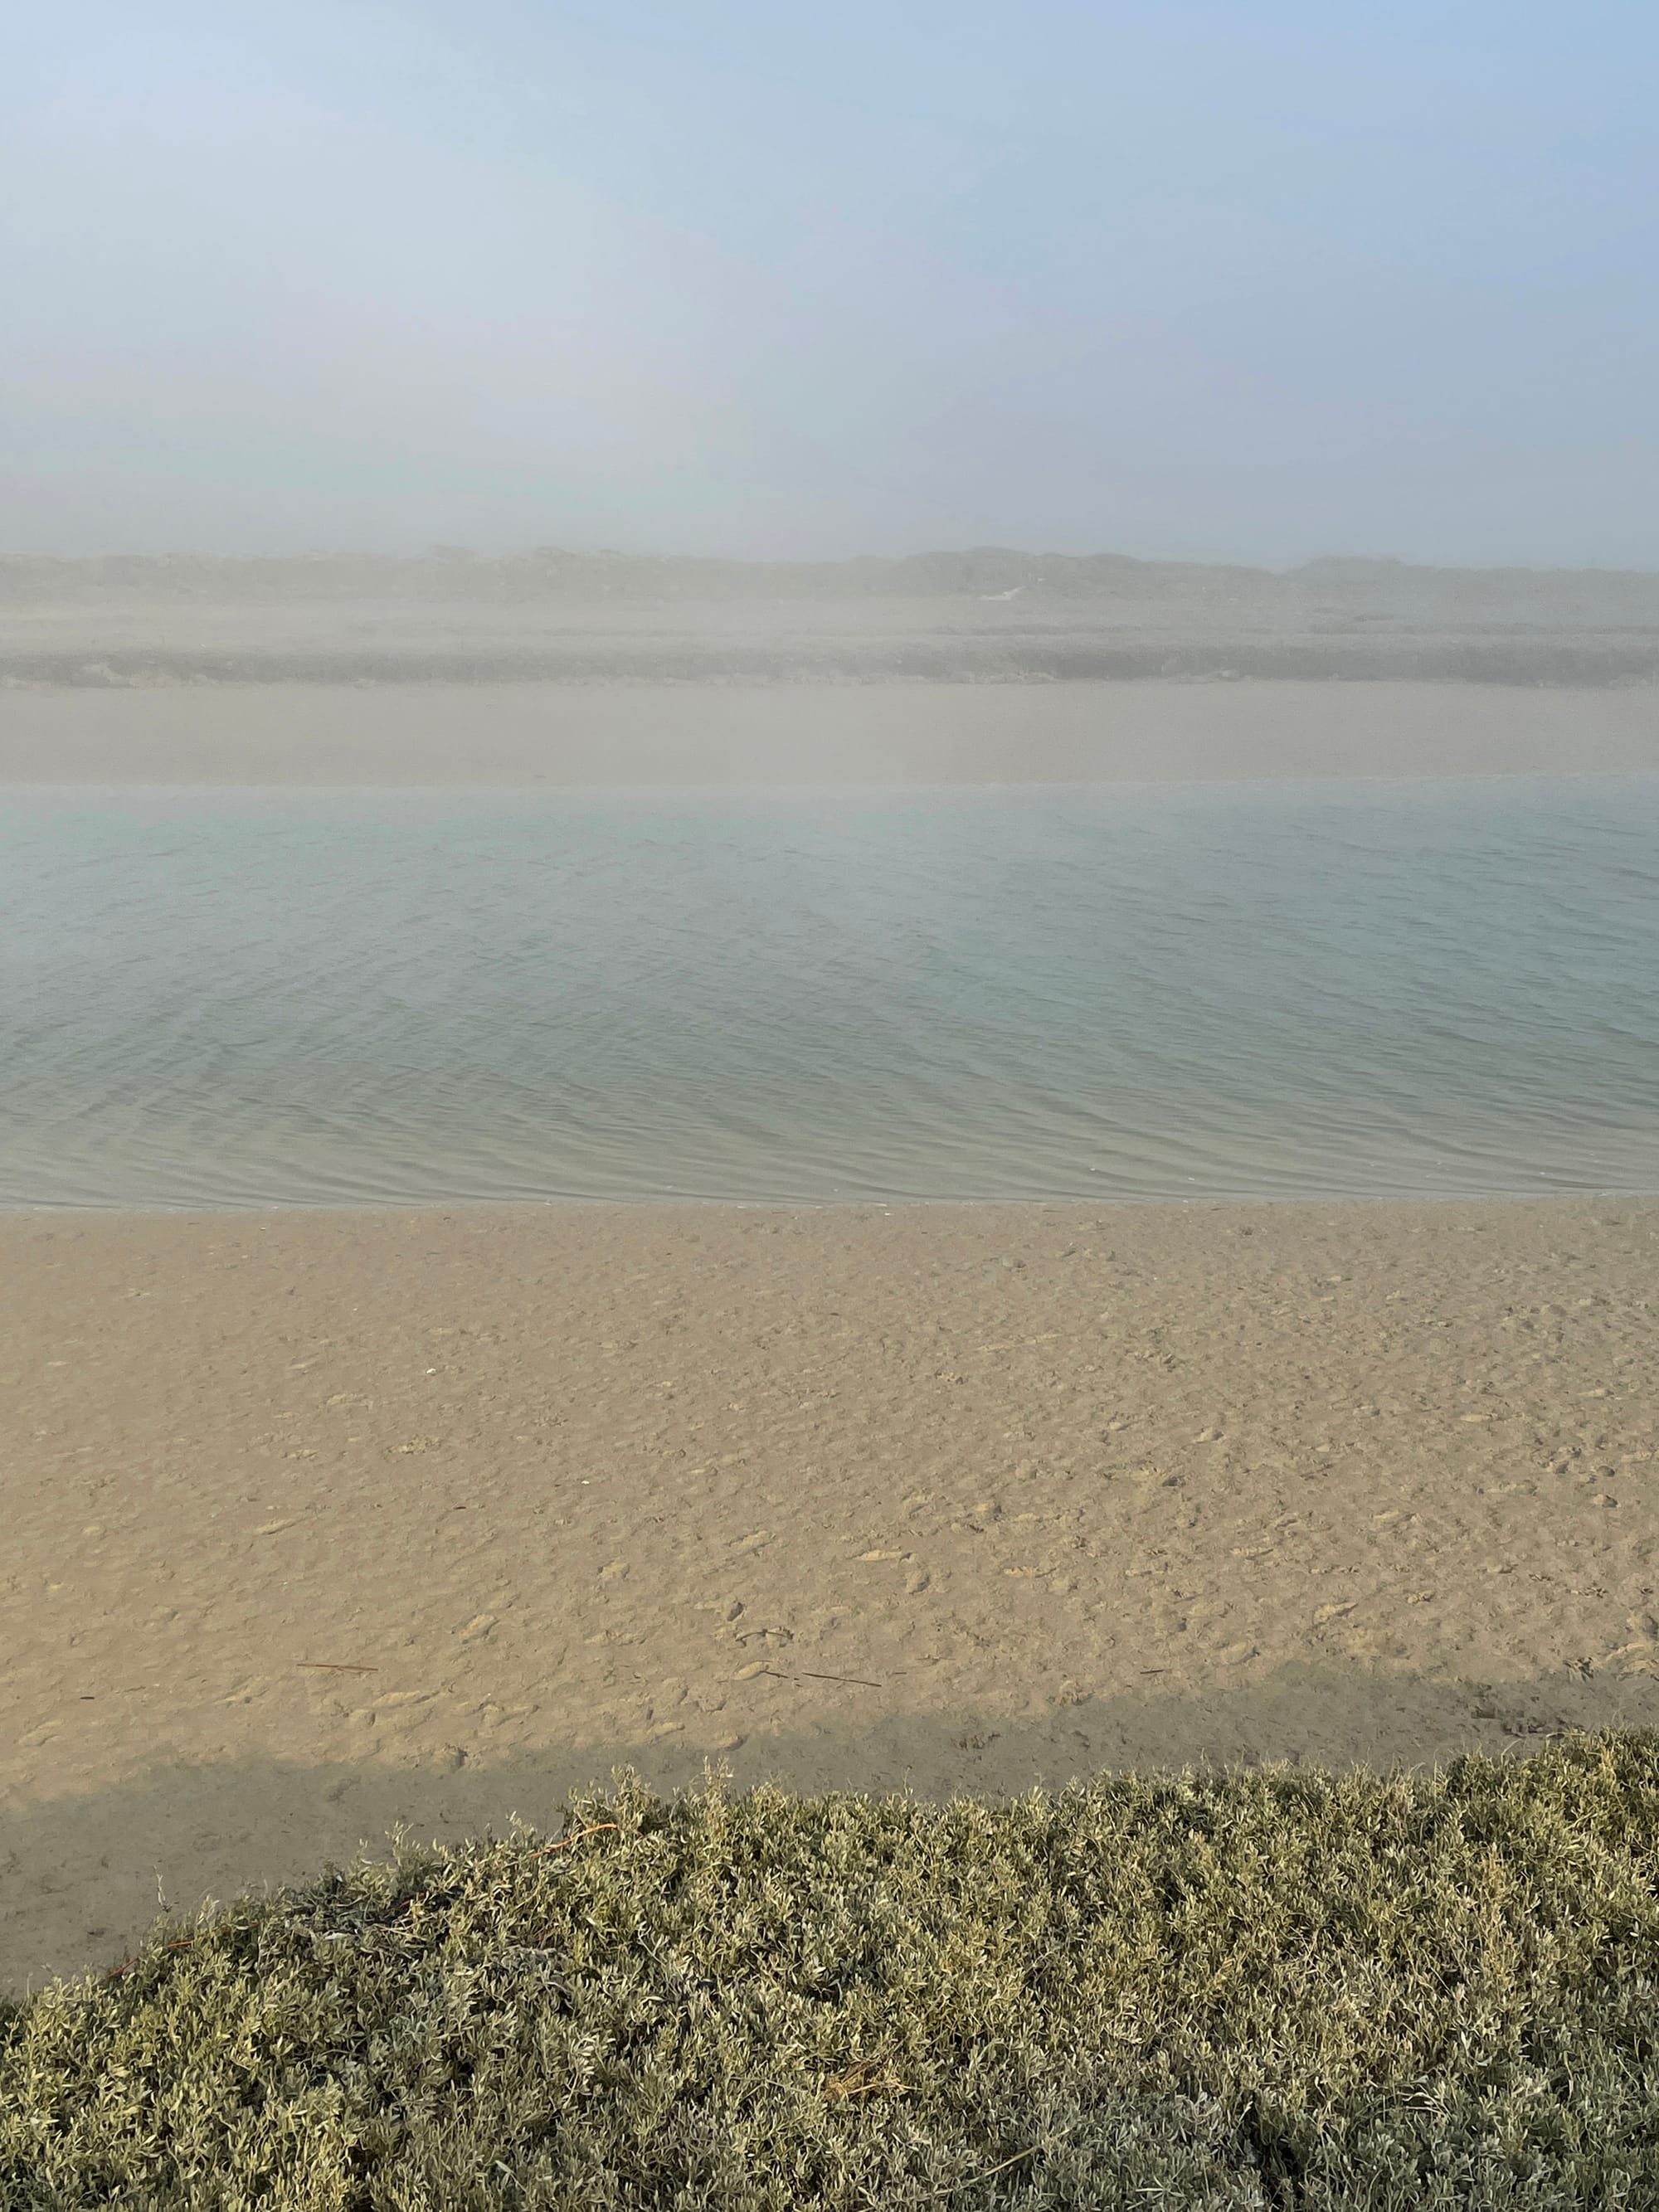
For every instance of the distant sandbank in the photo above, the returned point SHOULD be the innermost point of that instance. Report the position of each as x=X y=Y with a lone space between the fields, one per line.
x=899 y=734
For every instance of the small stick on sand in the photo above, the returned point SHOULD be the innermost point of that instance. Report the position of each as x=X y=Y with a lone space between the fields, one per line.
x=806 y=1674
x=333 y=1667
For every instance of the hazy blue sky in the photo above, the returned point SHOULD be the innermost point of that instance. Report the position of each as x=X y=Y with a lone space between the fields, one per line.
x=1259 y=280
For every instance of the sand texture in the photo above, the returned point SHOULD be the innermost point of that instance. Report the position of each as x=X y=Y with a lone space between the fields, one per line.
x=319 y=1523
x=876 y=734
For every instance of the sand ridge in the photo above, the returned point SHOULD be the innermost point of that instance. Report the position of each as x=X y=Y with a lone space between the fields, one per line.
x=988 y=616
x=618 y=734
x=317 y=1522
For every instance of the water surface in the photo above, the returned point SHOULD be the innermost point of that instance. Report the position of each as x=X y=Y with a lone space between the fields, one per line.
x=1368 y=989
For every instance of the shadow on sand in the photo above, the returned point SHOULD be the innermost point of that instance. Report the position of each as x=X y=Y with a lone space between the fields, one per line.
x=81 y=1876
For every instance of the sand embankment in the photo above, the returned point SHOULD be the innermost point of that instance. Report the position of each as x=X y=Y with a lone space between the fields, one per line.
x=987 y=615
x=319 y=1523
x=401 y=734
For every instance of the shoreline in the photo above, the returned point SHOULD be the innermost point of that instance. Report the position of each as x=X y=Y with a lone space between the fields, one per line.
x=369 y=1211
x=324 y=1521
x=899 y=736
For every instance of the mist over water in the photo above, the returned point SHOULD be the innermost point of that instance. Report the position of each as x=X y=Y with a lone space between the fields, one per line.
x=249 y=999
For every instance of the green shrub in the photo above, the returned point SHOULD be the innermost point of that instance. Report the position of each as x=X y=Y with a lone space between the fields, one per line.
x=1286 y=1989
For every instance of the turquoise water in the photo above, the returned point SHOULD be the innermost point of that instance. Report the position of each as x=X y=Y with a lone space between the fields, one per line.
x=1156 y=992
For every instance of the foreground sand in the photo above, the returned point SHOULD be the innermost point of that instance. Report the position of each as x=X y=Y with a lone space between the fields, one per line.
x=316 y=1523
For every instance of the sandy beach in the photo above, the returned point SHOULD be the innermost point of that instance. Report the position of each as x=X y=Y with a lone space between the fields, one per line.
x=317 y=1523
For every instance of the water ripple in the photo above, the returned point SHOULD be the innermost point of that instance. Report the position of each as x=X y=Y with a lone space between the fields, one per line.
x=1267 y=991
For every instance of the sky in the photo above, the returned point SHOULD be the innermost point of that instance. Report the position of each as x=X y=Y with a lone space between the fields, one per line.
x=1260 y=280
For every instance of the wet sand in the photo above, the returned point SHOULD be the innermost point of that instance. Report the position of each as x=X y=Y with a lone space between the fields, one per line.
x=392 y=734
x=319 y=1523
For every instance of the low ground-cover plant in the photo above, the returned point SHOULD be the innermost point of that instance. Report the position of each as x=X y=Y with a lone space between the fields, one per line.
x=1259 y=1990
